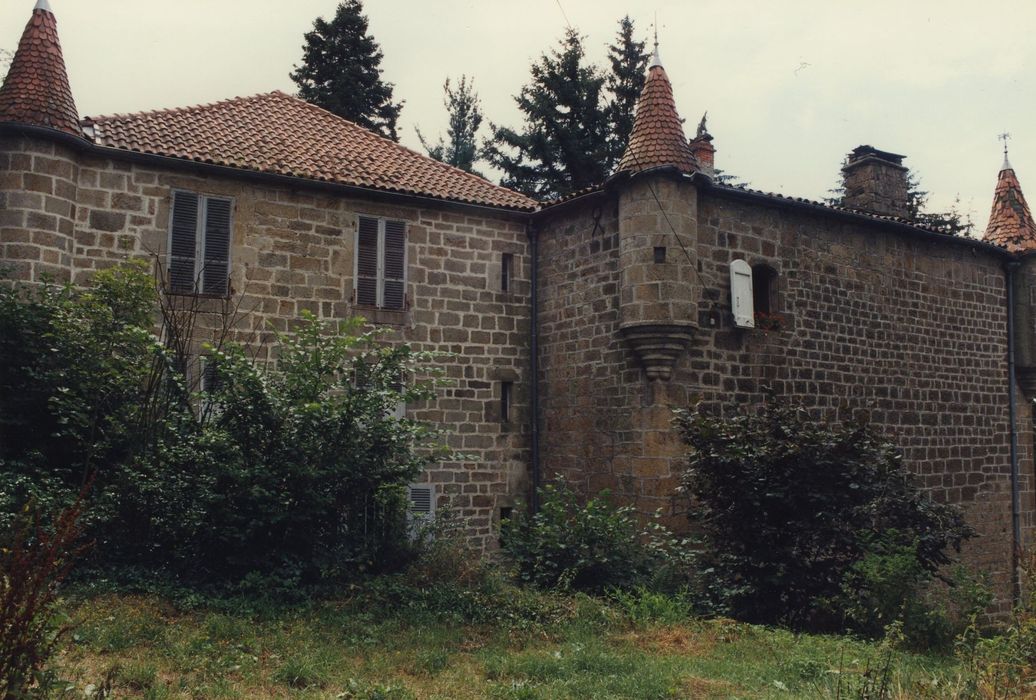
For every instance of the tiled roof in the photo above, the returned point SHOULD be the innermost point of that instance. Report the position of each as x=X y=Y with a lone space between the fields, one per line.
x=36 y=89
x=279 y=134
x=657 y=138
x=1010 y=223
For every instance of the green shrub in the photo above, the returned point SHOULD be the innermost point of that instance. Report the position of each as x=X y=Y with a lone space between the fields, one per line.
x=790 y=508
x=595 y=546
x=889 y=584
x=279 y=476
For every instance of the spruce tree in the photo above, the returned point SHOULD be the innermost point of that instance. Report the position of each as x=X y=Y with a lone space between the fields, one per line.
x=564 y=143
x=625 y=83
x=465 y=114
x=340 y=71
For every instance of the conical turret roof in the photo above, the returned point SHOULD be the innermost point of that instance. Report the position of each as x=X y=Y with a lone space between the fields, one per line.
x=36 y=89
x=657 y=138
x=1010 y=222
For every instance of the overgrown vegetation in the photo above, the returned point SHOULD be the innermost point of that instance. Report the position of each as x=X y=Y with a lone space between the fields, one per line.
x=274 y=477
x=591 y=546
x=34 y=560
x=812 y=525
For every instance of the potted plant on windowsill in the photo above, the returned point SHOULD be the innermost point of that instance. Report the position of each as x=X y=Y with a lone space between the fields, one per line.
x=770 y=321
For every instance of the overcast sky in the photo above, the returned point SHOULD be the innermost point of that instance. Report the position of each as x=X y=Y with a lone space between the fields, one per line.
x=790 y=86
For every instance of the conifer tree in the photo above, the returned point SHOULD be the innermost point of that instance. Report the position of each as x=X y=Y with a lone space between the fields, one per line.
x=340 y=71
x=563 y=145
x=625 y=82
x=465 y=115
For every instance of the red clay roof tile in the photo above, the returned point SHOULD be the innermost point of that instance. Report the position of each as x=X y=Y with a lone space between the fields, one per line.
x=657 y=138
x=1010 y=223
x=283 y=135
x=36 y=89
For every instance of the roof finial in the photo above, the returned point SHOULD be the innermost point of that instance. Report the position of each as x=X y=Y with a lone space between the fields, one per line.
x=656 y=60
x=44 y=5
x=1003 y=137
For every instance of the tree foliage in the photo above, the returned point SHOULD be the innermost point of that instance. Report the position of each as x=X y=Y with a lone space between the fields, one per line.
x=295 y=471
x=575 y=115
x=625 y=81
x=465 y=118
x=788 y=506
x=341 y=71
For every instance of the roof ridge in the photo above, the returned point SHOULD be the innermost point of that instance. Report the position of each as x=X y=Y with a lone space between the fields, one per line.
x=180 y=110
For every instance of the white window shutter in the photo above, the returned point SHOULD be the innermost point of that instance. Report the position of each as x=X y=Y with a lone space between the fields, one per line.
x=367 y=262
x=183 y=240
x=395 y=265
x=215 y=275
x=741 y=299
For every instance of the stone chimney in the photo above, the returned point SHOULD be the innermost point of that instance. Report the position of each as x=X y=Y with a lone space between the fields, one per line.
x=876 y=182
x=702 y=148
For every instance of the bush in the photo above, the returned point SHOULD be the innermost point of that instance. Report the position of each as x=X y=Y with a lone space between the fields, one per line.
x=33 y=563
x=278 y=476
x=790 y=507
x=889 y=584
x=590 y=547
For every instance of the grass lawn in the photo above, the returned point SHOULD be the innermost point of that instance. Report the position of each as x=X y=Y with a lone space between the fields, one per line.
x=364 y=648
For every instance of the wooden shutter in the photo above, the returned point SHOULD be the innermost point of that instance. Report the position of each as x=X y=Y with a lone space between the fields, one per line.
x=367 y=262
x=183 y=242
x=741 y=294
x=395 y=265
x=216 y=272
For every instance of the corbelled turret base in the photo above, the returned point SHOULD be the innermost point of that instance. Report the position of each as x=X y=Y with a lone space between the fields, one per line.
x=658 y=346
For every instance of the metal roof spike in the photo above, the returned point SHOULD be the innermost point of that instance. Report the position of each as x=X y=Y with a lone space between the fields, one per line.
x=44 y=5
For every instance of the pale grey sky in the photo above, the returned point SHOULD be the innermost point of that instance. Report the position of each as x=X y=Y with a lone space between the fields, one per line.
x=790 y=86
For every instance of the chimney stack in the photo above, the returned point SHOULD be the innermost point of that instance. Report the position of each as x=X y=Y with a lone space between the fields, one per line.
x=876 y=182
x=702 y=148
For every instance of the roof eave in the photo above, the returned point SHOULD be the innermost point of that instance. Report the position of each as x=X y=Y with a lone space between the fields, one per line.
x=853 y=217
x=83 y=144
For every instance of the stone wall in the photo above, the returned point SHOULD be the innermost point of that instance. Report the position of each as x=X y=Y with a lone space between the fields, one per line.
x=292 y=251
x=38 y=191
x=910 y=331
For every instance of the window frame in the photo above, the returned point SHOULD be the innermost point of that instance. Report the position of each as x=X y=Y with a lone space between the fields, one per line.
x=380 y=279
x=200 y=226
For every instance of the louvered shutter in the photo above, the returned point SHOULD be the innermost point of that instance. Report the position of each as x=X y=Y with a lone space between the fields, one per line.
x=367 y=262
x=741 y=301
x=395 y=265
x=216 y=272
x=183 y=242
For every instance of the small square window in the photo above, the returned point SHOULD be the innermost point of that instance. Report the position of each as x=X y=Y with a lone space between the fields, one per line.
x=660 y=254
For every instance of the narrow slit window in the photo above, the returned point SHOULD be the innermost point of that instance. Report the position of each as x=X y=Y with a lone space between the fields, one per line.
x=506 y=270
x=506 y=389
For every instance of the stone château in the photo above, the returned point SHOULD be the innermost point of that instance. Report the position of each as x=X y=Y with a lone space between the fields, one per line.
x=574 y=326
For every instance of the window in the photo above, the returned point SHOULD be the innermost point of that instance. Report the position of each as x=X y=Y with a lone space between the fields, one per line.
x=659 y=255
x=506 y=389
x=199 y=244
x=380 y=272
x=764 y=289
x=506 y=269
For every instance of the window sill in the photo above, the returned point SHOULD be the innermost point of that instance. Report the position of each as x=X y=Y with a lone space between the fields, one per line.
x=383 y=317
x=194 y=295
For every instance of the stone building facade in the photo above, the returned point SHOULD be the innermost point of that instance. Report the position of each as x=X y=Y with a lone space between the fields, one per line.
x=575 y=326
